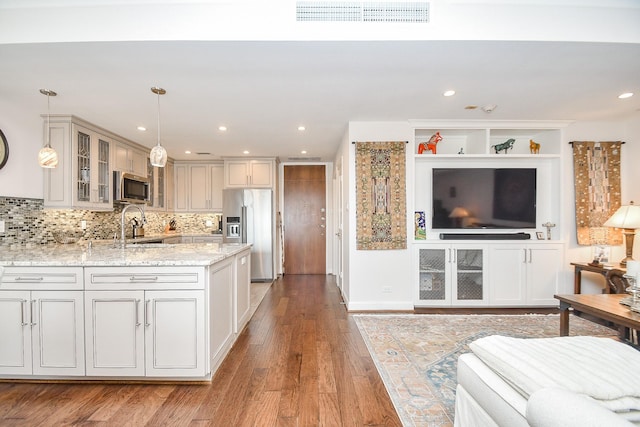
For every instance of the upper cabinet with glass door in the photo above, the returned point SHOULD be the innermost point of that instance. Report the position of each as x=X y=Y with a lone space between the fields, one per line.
x=82 y=178
x=157 y=189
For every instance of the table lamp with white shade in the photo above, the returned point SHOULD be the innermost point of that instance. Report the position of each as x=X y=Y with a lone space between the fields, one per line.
x=459 y=214
x=626 y=217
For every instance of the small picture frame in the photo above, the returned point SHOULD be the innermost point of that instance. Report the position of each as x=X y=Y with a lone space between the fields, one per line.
x=601 y=253
x=539 y=235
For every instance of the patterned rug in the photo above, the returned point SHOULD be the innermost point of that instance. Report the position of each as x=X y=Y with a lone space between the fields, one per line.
x=417 y=355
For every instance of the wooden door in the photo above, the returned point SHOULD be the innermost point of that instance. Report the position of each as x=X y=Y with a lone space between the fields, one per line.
x=305 y=219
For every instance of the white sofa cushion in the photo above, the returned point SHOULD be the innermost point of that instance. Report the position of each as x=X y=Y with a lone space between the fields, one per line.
x=601 y=368
x=554 y=407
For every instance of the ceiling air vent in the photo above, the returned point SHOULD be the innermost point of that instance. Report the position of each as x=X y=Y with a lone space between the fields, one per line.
x=304 y=159
x=330 y=11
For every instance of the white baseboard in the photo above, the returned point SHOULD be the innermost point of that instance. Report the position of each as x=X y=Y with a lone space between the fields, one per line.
x=380 y=306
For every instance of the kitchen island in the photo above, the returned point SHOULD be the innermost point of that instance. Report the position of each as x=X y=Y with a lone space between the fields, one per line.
x=135 y=312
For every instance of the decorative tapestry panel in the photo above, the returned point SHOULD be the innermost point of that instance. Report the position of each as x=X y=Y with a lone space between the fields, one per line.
x=381 y=195
x=596 y=167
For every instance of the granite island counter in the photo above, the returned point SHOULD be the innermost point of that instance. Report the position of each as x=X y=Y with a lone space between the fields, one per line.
x=139 y=312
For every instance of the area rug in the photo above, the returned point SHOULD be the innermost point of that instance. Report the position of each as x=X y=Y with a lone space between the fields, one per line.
x=417 y=355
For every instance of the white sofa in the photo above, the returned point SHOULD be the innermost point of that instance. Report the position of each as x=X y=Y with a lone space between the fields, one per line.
x=548 y=382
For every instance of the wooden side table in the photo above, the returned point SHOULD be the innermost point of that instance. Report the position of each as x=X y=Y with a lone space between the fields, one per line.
x=579 y=267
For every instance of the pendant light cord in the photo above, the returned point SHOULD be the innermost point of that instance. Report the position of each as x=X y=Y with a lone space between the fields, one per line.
x=158 y=117
x=48 y=120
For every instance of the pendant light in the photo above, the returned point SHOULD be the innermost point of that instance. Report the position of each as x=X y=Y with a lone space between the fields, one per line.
x=158 y=155
x=47 y=156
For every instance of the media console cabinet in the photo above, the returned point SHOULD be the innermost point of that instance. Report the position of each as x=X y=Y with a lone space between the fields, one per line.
x=488 y=272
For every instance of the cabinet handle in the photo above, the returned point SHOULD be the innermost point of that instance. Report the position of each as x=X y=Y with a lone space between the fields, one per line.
x=34 y=304
x=530 y=256
x=524 y=250
x=143 y=279
x=23 y=312
x=146 y=313
x=29 y=279
x=137 y=312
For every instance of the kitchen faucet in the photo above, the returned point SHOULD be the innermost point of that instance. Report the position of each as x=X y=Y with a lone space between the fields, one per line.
x=143 y=220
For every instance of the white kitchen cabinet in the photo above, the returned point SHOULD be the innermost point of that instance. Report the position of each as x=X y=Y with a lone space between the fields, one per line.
x=199 y=187
x=175 y=333
x=146 y=321
x=41 y=331
x=157 y=187
x=82 y=178
x=181 y=187
x=451 y=275
x=145 y=333
x=221 y=335
x=256 y=173
x=115 y=333
x=130 y=159
x=242 y=291
x=525 y=274
x=169 y=186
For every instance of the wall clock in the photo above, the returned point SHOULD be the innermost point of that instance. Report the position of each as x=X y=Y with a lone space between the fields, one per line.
x=4 y=150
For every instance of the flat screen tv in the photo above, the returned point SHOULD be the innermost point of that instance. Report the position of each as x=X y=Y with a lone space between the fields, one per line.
x=483 y=198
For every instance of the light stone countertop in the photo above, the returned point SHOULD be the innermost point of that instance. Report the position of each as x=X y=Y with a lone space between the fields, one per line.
x=106 y=254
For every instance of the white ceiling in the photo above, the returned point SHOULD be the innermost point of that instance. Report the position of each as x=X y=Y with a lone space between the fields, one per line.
x=263 y=90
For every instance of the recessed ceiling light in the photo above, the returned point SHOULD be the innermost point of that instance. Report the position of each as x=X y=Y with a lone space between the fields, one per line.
x=625 y=95
x=222 y=128
x=245 y=152
x=301 y=128
x=449 y=93
x=303 y=152
x=142 y=128
x=187 y=152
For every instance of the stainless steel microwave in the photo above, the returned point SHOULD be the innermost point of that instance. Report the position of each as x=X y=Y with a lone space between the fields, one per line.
x=130 y=188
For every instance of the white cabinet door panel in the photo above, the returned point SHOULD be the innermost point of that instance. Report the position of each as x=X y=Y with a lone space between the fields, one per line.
x=58 y=333
x=115 y=333
x=15 y=333
x=174 y=335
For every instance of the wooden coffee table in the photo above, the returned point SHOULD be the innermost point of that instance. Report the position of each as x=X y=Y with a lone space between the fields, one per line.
x=603 y=306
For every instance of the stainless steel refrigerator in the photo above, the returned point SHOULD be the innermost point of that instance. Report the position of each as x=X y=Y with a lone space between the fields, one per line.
x=247 y=218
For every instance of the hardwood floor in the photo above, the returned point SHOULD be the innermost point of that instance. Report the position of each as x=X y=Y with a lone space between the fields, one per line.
x=299 y=362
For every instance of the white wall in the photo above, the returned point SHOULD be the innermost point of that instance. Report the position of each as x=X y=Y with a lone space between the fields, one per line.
x=372 y=271
x=627 y=130
x=21 y=176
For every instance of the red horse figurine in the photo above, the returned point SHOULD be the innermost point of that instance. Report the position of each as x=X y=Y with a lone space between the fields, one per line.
x=431 y=144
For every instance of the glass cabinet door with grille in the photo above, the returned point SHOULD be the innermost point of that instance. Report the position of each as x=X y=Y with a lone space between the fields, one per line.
x=451 y=275
x=92 y=171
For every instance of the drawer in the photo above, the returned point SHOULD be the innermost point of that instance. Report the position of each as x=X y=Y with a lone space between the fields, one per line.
x=104 y=278
x=42 y=278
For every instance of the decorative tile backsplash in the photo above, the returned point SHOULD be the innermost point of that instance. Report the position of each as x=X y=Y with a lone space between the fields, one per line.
x=26 y=221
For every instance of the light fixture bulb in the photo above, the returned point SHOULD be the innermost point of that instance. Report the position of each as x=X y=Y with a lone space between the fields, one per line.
x=158 y=156
x=47 y=156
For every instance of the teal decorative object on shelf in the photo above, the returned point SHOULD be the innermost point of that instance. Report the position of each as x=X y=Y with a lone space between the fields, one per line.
x=508 y=144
